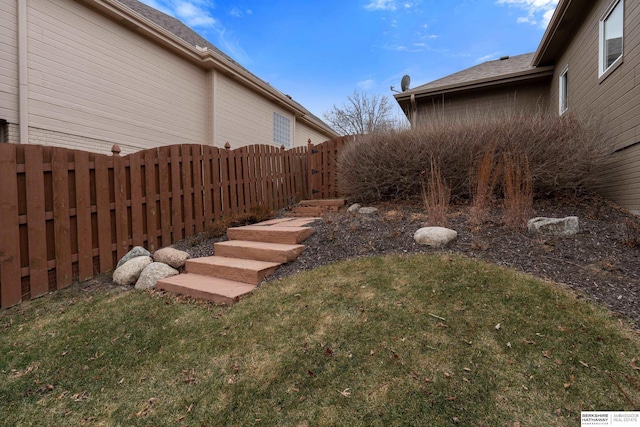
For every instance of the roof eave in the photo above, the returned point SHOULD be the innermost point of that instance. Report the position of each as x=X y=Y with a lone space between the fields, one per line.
x=207 y=59
x=550 y=32
x=532 y=74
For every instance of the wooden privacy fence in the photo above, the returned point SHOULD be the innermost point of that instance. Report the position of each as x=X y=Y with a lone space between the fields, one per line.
x=68 y=215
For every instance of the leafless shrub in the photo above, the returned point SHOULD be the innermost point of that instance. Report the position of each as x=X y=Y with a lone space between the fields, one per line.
x=435 y=195
x=563 y=152
x=518 y=191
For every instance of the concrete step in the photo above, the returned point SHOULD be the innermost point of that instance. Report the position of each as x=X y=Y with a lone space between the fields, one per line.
x=290 y=222
x=240 y=270
x=261 y=251
x=308 y=210
x=270 y=234
x=220 y=291
x=323 y=202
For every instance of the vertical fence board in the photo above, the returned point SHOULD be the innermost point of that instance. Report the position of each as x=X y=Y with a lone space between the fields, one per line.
x=37 y=234
x=217 y=185
x=165 y=192
x=246 y=178
x=233 y=182
x=224 y=182
x=137 y=223
x=269 y=175
x=103 y=212
x=261 y=170
x=176 y=199
x=207 y=173
x=120 y=203
x=83 y=215
x=187 y=189
x=254 y=176
x=11 y=292
x=61 y=225
x=150 y=199
x=198 y=192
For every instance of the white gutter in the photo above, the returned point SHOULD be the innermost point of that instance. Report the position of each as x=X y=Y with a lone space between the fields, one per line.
x=23 y=91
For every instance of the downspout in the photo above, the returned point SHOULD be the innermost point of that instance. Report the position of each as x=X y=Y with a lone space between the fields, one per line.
x=23 y=90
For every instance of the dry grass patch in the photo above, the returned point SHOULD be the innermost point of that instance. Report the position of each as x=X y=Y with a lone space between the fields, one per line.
x=401 y=340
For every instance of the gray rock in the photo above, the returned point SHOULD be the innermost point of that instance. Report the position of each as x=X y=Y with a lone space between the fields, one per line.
x=129 y=272
x=133 y=253
x=567 y=226
x=435 y=236
x=367 y=211
x=152 y=273
x=354 y=208
x=171 y=256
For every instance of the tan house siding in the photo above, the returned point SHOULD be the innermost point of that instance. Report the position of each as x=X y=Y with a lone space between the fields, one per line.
x=305 y=133
x=242 y=116
x=89 y=77
x=522 y=98
x=9 y=61
x=614 y=100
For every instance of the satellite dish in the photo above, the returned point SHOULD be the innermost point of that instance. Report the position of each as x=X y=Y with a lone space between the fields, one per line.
x=404 y=84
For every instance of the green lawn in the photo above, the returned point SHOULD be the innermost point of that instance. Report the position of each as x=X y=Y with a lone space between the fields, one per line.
x=428 y=340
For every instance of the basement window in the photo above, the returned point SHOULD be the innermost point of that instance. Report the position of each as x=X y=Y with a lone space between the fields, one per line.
x=281 y=130
x=563 y=100
x=611 y=36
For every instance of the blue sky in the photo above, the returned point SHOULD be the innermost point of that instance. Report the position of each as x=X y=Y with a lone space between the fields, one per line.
x=320 y=51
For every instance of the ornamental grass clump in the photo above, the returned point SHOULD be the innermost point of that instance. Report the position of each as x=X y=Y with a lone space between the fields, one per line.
x=562 y=152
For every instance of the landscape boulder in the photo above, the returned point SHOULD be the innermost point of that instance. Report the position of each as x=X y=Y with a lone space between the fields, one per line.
x=354 y=208
x=368 y=211
x=152 y=273
x=129 y=272
x=171 y=256
x=435 y=236
x=567 y=226
x=133 y=253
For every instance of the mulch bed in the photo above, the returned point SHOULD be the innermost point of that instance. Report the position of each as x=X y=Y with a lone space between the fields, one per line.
x=601 y=263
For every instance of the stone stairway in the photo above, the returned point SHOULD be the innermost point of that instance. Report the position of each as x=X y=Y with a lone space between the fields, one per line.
x=251 y=254
x=317 y=207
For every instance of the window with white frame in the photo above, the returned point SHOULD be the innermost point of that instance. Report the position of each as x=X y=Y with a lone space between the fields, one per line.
x=563 y=100
x=281 y=130
x=611 y=36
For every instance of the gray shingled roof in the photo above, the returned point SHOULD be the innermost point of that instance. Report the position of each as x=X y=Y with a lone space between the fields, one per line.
x=486 y=70
x=171 y=24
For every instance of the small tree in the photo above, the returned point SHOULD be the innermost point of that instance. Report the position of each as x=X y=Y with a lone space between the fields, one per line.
x=361 y=114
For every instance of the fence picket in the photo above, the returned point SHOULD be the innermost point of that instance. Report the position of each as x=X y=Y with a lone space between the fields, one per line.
x=83 y=215
x=198 y=202
x=135 y=176
x=150 y=199
x=61 y=226
x=187 y=189
x=164 y=191
x=120 y=205
x=38 y=277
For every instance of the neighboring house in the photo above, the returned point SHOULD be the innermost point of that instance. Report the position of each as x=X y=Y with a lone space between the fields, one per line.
x=87 y=74
x=587 y=64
